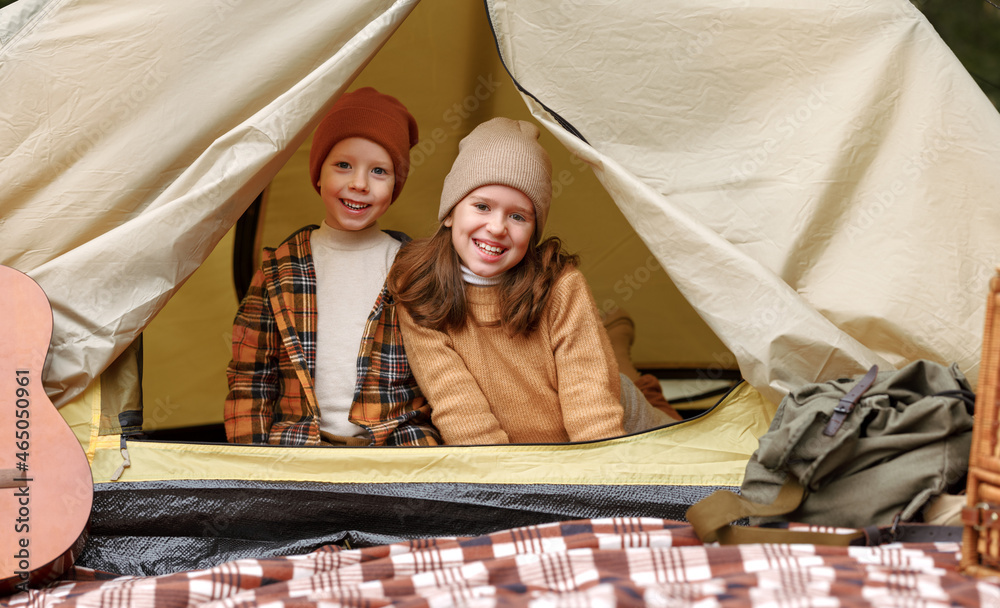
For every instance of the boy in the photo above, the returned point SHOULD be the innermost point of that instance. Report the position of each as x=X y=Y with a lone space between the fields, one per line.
x=317 y=353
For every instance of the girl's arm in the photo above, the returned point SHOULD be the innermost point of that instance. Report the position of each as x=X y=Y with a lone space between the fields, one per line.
x=458 y=407
x=589 y=384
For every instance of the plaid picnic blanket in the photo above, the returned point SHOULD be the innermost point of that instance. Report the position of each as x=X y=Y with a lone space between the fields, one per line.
x=600 y=562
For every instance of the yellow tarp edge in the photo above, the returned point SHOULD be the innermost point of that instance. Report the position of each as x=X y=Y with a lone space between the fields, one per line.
x=83 y=415
x=685 y=454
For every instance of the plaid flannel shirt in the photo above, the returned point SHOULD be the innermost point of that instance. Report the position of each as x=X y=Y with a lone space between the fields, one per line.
x=271 y=397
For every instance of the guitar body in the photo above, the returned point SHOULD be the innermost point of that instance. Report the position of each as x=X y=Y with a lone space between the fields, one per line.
x=46 y=488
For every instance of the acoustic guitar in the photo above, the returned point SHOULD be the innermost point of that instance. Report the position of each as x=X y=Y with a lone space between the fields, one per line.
x=46 y=488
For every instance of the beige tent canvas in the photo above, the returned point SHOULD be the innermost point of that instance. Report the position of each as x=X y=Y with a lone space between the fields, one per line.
x=826 y=209
x=816 y=182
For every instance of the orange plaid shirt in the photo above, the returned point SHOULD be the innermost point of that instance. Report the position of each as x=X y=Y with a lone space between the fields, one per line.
x=271 y=397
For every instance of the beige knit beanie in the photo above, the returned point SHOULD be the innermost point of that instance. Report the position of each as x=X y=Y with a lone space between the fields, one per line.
x=506 y=152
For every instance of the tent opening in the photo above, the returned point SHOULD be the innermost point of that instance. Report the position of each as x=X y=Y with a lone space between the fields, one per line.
x=443 y=64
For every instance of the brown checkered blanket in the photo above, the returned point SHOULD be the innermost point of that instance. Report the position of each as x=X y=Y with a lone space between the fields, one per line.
x=606 y=562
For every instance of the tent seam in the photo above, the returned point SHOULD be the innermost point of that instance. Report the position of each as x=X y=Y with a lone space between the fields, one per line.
x=565 y=124
x=29 y=25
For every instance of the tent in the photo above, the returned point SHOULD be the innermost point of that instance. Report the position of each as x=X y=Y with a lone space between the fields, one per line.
x=815 y=180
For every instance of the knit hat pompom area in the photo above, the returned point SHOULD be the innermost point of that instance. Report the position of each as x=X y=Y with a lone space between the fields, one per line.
x=506 y=152
x=375 y=116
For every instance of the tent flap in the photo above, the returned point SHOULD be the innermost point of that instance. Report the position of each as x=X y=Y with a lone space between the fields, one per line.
x=140 y=154
x=818 y=181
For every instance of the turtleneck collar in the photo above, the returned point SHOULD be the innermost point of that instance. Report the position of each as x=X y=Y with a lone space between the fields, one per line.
x=474 y=279
x=347 y=239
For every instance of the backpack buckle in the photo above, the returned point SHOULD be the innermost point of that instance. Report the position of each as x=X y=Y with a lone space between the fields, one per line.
x=846 y=404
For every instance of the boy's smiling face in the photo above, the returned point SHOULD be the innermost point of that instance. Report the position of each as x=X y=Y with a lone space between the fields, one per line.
x=356 y=183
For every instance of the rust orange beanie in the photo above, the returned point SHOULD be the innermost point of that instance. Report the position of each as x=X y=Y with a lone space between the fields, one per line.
x=375 y=116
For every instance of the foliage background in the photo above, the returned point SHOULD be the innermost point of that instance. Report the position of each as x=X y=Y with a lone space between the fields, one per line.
x=971 y=28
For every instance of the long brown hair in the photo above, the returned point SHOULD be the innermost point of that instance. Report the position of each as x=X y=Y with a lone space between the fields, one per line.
x=426 y=278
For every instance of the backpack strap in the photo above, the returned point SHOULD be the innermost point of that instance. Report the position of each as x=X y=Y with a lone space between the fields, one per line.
x=712 y=519
x=848 y=401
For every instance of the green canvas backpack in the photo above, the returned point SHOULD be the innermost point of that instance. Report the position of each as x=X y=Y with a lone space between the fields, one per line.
x=852 y=453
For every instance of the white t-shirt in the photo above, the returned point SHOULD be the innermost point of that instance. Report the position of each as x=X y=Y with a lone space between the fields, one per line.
x=351 y=267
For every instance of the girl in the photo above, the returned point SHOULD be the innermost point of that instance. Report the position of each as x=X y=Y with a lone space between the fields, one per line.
x=501 y=330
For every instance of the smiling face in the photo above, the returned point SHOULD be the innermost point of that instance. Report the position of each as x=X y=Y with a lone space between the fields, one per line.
x=491 y=229
x=356 y=183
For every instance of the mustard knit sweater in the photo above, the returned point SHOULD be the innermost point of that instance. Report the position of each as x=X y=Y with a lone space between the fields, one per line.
x=559 y=384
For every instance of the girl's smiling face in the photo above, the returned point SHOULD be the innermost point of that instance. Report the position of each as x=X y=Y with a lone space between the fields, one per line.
x=491 y=229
